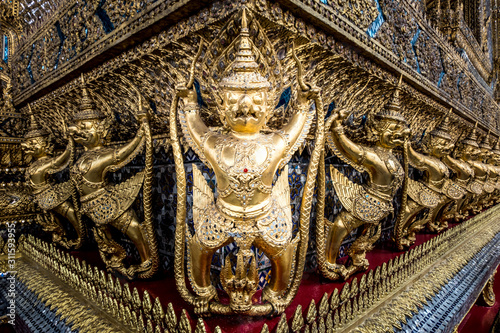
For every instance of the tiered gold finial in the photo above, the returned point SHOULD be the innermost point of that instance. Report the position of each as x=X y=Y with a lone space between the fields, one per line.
x=245 y=73
x=392 y=109
x=485 y=144
x=496 y=149
x=35 y=129
x=443 y=129
x=87 y=109
x=472 y=138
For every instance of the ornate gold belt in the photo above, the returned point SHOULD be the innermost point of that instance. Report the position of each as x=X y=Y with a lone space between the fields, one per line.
x=235 y=212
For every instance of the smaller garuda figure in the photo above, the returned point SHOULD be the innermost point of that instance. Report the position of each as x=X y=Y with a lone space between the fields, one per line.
x=7 y=98
x=58 y=199
x=432 y=192
x=486 y=152
x=250 y=208
x=110 y=204
x=481 y=172
x=363 y=205
x=494 y=162
x=464 y=152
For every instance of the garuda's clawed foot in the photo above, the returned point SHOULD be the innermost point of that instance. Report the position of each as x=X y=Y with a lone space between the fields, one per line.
x=404 y=243
x=202 y=303
x=141 y=270
x=73 y=243
x=275 y=299
x=432 y=227
x=335 y=272
x=357 y=266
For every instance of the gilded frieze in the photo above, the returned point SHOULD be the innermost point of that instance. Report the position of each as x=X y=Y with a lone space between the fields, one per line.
x=240 y=91
x=424 y=50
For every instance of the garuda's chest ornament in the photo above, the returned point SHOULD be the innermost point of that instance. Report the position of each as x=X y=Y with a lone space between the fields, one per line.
x=252 y=205
x=243 y=168
x=363 y=205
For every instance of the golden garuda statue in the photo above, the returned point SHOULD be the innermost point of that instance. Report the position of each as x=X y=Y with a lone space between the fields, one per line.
x=110 y=204
x=250 y=209
x=451 y=189
x=474 y=159
x=432 y=192
x=494 y=162
x=491 y=181
x=57 y=199
x=363 y=205
x=463 y=176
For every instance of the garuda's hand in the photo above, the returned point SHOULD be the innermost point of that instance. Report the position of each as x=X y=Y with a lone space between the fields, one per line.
x=142 y=115
x=189 y=95
x=305 y=96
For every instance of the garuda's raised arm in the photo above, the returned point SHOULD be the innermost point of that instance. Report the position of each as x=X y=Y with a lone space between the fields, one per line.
x=354 y=152
x=193 y=127
x=61 y=162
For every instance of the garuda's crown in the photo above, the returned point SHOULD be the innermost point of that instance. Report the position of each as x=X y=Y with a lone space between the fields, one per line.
x=88 y=109
x=496 y=149
x=485 y=144
x=442 y=130
x=471 y=140
x=391 y=110
x=245 y=74
x=35 y=129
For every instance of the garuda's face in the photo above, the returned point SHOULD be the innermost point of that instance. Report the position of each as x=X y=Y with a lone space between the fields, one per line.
x=35 y=147
x=393 y=133
x=484 y=154
x=438 y=146
x=494 y=159
x=86 y=132
x=245 y=111
x=469 y=152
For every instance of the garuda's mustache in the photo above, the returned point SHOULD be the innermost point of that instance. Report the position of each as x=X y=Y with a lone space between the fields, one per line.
x=245 y=112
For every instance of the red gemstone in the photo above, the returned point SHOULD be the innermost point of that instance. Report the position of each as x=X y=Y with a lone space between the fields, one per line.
x=245 y=170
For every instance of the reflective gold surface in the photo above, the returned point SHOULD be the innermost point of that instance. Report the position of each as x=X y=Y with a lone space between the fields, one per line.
x=433 y=193
x=54 y=198
x=249 y=209
x=363 y=205
x=221 y=103
x=108 y=204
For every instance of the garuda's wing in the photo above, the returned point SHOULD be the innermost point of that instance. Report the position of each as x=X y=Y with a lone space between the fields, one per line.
x=356 y=200
x=210 y=225
x=422 y=194
x=128 y=190
x=203 y=196
x=108 y=205
x=281 y=192
x=453 y=190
